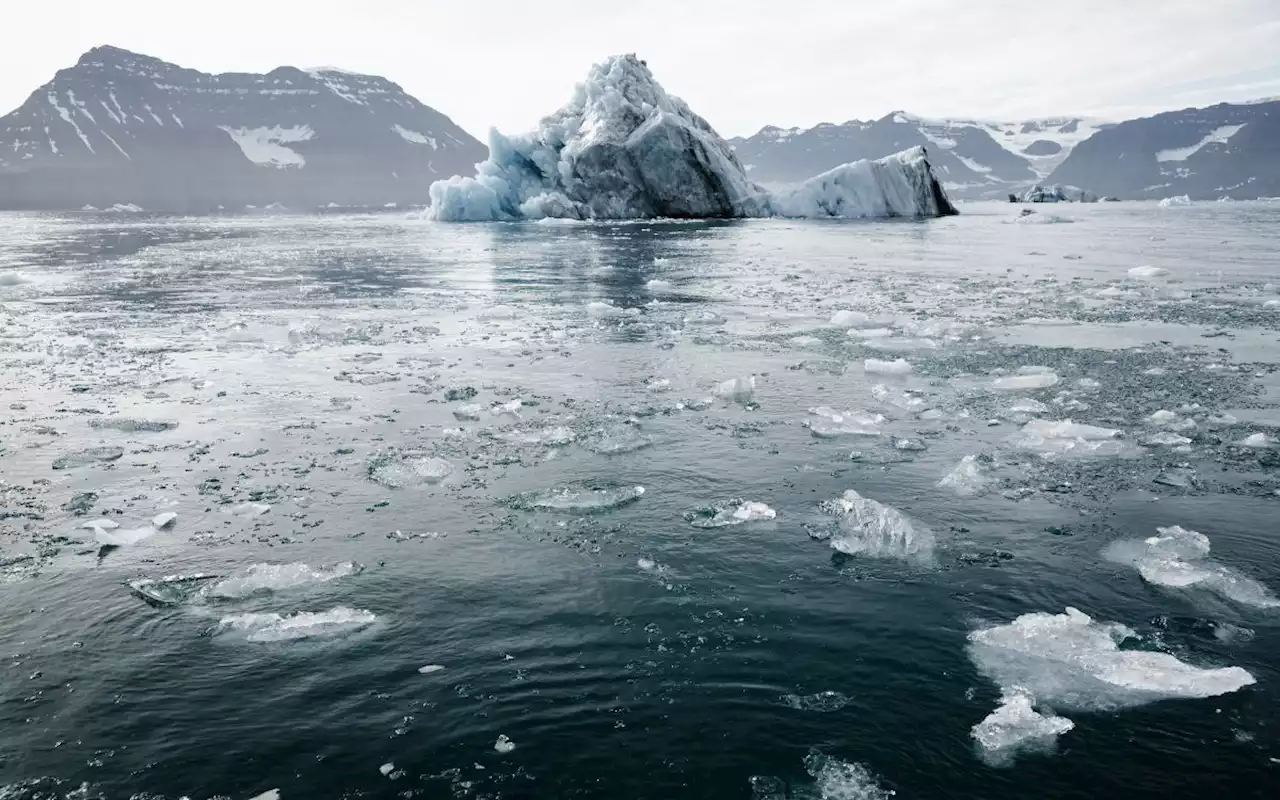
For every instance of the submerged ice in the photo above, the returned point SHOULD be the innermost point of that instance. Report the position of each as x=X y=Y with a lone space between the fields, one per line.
x=272 y=627
x=622 y=148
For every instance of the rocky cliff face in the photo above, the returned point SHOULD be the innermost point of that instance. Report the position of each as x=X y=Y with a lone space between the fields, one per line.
x=1223 y=151
x=119 y=127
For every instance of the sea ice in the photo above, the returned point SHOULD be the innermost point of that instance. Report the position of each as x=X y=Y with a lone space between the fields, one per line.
x=430 y=668
x=822 y=702
x=123 y=538
x=397 y=471
x=271 y=627
x=1148 y=271
x=467 y=412
x=104 y=523
x=735 y=512
x=163 y=519
x=1015 y=726
x=622 y=148
x=832 y=423
x=1257 y=440
x=874 y=366
x=871 y=528
x=1028 y=406
x=603 y=310
x=130 y=425
x=899 y=398
x=170 y=590
x=1027 y=378
x=1176 y=200
x=1179 y=558
x=1066 y=438
x=657 y=286
x=968 y=478
x=504 y=745
x=738 y=390
x=843 y=780
x=1070 y=661
x=267 y=578
x=577 y=498
x=92 y=455
x=617 y=440
x=270 y=794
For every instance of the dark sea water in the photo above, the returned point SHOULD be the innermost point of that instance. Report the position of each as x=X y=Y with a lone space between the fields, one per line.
x=355 y=519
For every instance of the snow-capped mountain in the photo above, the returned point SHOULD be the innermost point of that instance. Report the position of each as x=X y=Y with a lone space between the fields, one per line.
x=1227 y=150
x=972 y=158
x=119 y=127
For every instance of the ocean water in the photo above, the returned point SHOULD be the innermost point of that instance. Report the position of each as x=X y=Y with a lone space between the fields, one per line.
x=624 y=511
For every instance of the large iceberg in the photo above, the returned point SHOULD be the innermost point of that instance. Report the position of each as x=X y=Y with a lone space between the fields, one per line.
x=625 y=149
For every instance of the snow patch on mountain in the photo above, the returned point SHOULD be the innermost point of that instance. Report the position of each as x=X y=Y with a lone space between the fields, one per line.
x=1220 y=135
x=414 y=137
x=266 y=146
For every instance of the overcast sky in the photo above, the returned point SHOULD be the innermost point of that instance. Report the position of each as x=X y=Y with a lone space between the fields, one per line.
x=741 y=64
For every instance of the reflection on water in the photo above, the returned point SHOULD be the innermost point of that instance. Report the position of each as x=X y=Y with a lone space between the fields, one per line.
x=414 y=445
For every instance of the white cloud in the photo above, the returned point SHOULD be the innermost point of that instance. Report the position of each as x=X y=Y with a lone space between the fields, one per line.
x=742 y=63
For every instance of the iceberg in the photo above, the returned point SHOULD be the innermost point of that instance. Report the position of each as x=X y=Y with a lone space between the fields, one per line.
x=625 y=149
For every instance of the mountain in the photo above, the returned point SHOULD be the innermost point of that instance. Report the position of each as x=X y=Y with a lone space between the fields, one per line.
x=119 y=127
x=972 y=158
x=1230 y=150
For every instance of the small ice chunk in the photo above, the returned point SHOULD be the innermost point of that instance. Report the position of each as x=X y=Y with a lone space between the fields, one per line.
x=247 y=510
x=968 y=478
x=387 y=768
x=511 y=408
x=1257 y=440
x=832 y=423
x=851 y=319
x=163 y=519
x=834 y=779
x=104 y=524
x=1066 y=438
x=738 y=390
x=504 y=745
x=1148 y=271
x=1027 y=378
x=657 y=286
x=399 y=471
x=1175 y=201
x=430 y=668
x=821 y=702
x=1016 y=726
x=734 y=512
x=1179 y=558
x=467 y=412
x=260 y=579
x=605 y=310
x=874 y=366
x=577 y=498
x=271 y=627
x=1029 y=406
x=270 y=794
x=93 y=455
x=122 y=538
x=871 y=528
x=897 y=397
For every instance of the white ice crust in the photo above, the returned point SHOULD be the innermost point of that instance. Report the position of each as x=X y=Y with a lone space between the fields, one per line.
x=625 y=149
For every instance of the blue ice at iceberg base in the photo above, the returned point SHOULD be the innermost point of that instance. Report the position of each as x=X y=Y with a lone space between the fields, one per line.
x=625 y=149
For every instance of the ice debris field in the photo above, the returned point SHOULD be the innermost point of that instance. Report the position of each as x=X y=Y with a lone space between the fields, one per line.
x=879 y=489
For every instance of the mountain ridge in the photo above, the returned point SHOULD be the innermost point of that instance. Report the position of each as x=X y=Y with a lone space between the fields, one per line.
x=124 y=127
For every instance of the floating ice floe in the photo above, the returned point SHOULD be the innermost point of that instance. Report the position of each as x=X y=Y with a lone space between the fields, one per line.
x=1027 y=378
x=1148 y=271
x=843 y=780
x=1071 y=662
x=899 y=398
x=121 y=537
x=256 y=627
x=1258 y=440
x=1028 y=406
x=270 y=794
x=92 y=455
x=874 y=366
x=577 y=498
x=11 y=279
x=734 y=512
x=467 y=412
x=268 y=578
x=398 y=471
x=1179 y=558
x=968 y=478
x=163 y=519
x=504 y=745
x=657 y=286
x=868 y=527
x=831 y=423
x=617 y=440
x=131 y=425
x=171 y=590
x=622 y=148
x=1015 y=726
x=1052 y=439
x=604 y=310
x=430 y=668
x=247 y=509
x=1175 y=201
x=821 y=702
x=737 y=390
x=1035 y=218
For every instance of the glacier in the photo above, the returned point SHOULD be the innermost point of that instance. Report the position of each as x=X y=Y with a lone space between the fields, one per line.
x=625 y=149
